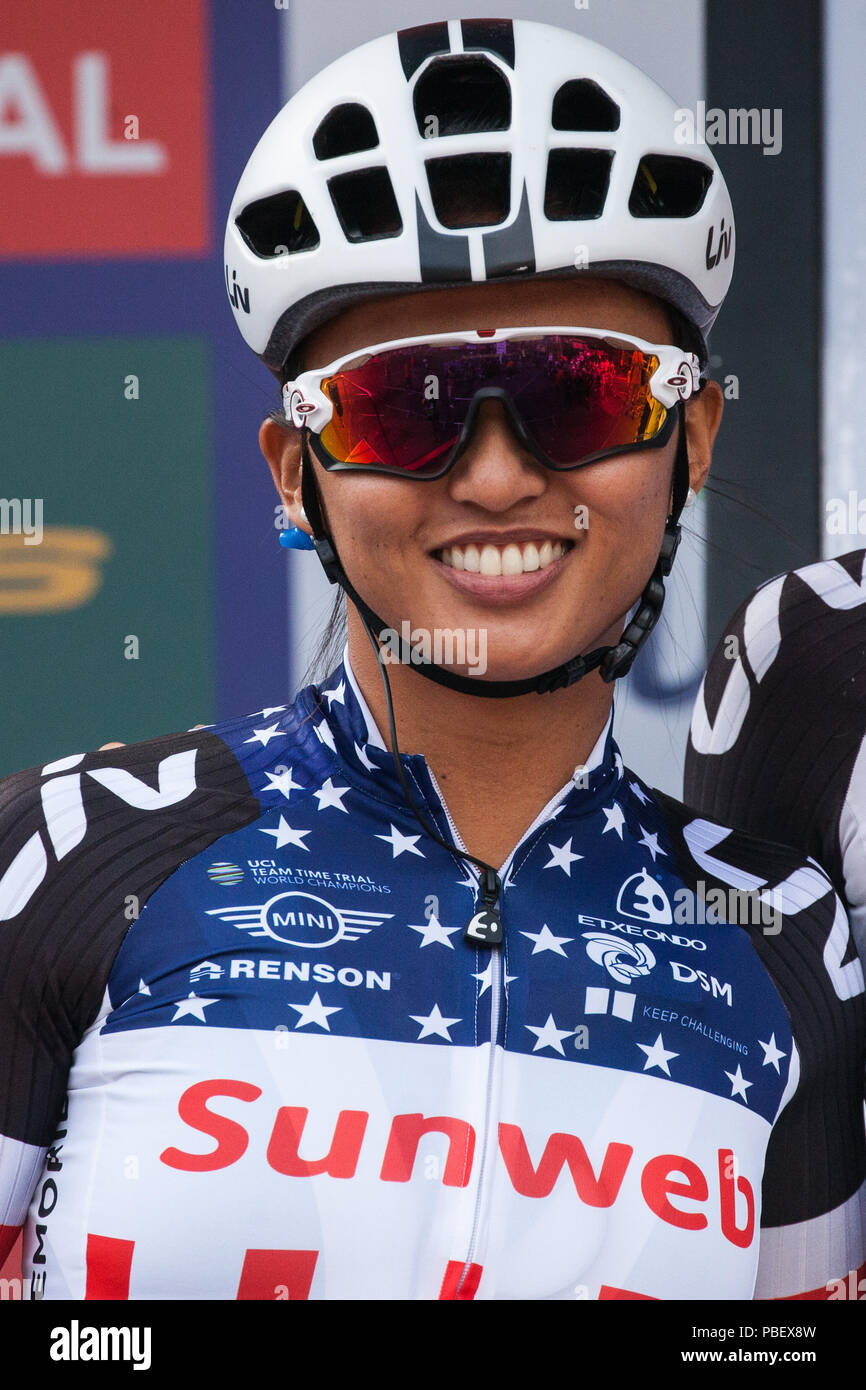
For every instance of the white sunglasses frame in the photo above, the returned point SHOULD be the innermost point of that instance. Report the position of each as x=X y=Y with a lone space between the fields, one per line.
x=676 y=378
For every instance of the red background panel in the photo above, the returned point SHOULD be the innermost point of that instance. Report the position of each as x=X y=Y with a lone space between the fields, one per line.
x=154 y=61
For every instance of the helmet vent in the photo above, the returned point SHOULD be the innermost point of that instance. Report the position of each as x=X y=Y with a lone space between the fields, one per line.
x=461 y=96
x=669 y=185
x=577 y=182
x=470 y=190
x=347 y=129
x=365 y=203
x=582 y=105
x=278 y=225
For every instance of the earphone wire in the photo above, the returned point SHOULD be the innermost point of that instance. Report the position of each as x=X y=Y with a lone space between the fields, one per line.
x=395 y=753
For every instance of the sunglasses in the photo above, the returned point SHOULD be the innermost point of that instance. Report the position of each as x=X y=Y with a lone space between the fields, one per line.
x=572 y=396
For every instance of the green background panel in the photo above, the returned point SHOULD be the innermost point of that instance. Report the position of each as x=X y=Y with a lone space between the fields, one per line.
x=140 y=472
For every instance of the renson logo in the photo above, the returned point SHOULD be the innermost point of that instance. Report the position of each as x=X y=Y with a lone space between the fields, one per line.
x=300 y=919
x=674 y=1187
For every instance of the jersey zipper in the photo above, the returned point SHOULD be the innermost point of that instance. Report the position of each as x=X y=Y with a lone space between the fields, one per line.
x=495 y=957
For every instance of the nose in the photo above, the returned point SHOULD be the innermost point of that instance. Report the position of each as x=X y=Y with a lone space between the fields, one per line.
x=495 y=470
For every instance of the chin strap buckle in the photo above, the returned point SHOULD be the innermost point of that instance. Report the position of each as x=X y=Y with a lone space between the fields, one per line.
x=670 y=545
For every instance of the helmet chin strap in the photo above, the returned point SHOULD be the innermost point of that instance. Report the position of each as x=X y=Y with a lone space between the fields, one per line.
x=612 y=662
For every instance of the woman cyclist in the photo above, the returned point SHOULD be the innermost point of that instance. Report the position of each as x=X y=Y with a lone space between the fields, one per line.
x=298 y=1010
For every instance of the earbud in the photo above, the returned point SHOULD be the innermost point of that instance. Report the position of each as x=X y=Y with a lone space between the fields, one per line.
x=296 y=539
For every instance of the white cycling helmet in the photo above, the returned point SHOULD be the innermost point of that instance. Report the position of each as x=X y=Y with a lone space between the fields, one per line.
x=471 y=150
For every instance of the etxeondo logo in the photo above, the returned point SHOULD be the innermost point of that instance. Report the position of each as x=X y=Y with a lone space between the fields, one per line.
x=76 y=1343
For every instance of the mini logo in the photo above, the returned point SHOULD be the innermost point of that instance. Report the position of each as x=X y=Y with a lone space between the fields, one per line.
x=225 y=874
x=624 y=961
x=640 y=896
x=300 y=919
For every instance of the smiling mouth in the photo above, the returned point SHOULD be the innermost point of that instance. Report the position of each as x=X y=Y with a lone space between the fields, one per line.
x=497 y=560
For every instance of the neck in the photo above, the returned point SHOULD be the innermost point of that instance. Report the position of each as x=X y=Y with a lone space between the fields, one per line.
x=497 y=762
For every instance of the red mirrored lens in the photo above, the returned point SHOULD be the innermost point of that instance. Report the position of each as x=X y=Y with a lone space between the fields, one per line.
x=403 y=409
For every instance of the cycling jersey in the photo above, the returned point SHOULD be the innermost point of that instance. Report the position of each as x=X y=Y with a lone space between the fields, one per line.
x=251 y=1055
x=777 y=737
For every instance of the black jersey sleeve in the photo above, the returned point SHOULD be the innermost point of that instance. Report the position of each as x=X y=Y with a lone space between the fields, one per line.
x=84 y=842
x=776 y=744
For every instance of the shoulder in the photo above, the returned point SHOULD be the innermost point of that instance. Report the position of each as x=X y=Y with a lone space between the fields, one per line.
x=76 y=828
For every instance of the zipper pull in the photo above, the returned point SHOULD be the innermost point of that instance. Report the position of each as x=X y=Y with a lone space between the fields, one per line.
x=485 y=929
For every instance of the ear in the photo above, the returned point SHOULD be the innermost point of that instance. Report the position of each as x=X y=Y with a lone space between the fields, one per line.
x=281 y=447
x=703 y=417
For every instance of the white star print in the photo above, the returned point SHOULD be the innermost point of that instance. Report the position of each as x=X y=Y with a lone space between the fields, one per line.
x=486 y=978
x=657 y=1056
x=562 y=857
x=639 y=793
x=615 y=818
x=617 y=762
x=315 y=1012
x=546 y=941
x=739 y=1084
x=271 y=709
x=363 y=759
x=264 y=736
x=434 y=1024
x=652 y=843
x=285 y=835
x=192 y=1006
x=772 y=1055
x=339 y=694
x=322 y=730
x=282 y=782
x=507 y=881
x=433 y=931
x=399 y=843
x=468 y=881
x=549 y=1035
x=143 y=989
x=329 y=795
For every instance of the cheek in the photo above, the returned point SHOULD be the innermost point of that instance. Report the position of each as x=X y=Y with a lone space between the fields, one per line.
x=623 y=504
x=372 y=520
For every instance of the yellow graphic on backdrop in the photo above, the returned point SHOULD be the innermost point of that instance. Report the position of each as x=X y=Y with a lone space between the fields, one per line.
x=63 y=571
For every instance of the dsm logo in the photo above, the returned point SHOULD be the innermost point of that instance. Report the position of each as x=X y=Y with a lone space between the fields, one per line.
x=300 y=919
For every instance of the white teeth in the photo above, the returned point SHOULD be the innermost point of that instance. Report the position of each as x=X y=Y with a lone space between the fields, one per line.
x=510 y=559
x=471 y=559
x=491 y=561
x=530 y=557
